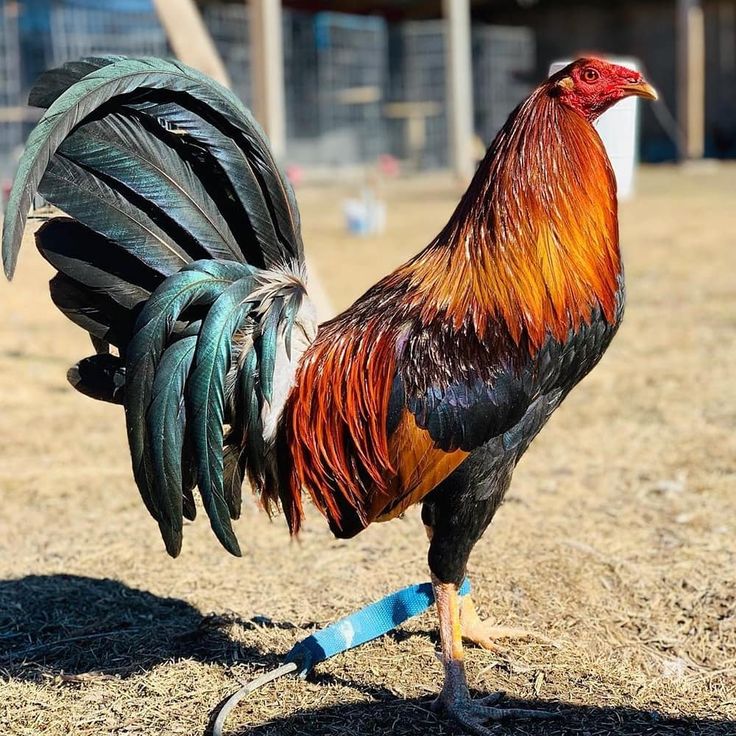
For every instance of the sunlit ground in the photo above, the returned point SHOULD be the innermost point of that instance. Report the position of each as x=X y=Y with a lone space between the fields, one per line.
x=616 y=543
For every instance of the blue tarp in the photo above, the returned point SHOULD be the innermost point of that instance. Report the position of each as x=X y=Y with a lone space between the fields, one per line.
x=35 y=14
x=35 y=27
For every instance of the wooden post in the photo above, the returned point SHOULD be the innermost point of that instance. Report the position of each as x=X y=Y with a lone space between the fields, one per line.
x=691 y=78
x=189 y=38
x=459 y=79
x=267 y=65
x=269 y=107
x=192 y=43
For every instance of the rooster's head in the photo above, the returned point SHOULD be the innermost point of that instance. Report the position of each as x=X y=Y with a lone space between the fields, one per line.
x=591 y=86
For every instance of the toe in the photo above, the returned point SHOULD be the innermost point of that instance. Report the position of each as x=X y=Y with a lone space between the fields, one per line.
x=487 y=636
x=473 y=715
x=485 y=644
x=488 y=713
x=472 y=724
x=492 y=699
x=509 y=632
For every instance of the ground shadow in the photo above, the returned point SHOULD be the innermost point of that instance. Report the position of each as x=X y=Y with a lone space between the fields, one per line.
x=76 y=625
x=386 y=714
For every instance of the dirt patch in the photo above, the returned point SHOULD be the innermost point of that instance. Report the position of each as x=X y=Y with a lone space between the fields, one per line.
x=616 y=542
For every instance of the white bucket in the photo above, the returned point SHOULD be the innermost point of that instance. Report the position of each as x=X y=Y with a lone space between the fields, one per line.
x=618 y=127
x=366 y=216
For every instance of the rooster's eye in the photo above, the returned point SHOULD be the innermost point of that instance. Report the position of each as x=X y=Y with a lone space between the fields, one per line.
x=590 y=74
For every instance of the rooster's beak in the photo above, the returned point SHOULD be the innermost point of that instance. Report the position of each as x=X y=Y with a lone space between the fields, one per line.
x=641 y=89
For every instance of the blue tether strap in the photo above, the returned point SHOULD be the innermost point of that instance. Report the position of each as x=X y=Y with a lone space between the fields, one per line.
x=364 y=625
x=358 y=628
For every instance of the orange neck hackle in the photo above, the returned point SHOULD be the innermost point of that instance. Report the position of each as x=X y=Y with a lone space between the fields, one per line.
x=534 y=241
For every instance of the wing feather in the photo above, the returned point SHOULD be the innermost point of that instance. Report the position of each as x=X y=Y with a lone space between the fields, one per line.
x=384 y=410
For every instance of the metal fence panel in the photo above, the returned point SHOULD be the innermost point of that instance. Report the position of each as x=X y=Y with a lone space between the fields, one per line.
x=355 y=86
x=11 y=130
x=504 y=60
x=229 y=27
x=77 y=32
x=335 y=67
x=418 y=81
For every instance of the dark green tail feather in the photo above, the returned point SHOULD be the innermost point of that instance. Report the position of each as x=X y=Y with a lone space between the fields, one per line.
x=120 y=148
x=105 y=209
x=214 y=102
x=270 y=326
x=96 y=313
x=53 y=82
x=100 y=377
x=250 y=414
x=206 y=401
x=229 y=165
x=234 y=466
x=152 y=331
x=154 y=180
x=165 y=424
x=95 y=262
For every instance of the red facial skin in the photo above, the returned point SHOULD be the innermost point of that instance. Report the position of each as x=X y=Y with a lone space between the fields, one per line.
x=590 y=86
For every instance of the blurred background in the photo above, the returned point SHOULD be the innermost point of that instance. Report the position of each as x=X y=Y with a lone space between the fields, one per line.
x=415 y=84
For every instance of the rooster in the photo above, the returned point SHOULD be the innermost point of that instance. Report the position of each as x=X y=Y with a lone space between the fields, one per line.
x=181 y=255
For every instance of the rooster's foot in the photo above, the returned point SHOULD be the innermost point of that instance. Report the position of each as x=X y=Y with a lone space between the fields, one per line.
x=485 y=634
x=472 y=715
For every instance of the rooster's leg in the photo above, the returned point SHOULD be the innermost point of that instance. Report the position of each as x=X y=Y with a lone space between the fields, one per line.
x=455 y=698
x=484 y=634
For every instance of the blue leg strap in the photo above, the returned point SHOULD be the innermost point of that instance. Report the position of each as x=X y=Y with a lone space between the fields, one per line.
x=369 y=623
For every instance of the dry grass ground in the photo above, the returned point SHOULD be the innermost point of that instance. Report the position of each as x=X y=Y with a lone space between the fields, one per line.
x=617 y=540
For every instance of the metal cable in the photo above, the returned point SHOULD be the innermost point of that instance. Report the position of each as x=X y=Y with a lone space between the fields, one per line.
x=252 y=686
